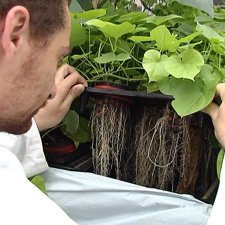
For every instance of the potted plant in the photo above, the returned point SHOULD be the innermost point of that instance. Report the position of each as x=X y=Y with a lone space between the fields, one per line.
x=169 y=49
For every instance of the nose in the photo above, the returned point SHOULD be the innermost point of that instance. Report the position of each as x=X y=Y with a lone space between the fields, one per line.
x=52 y=93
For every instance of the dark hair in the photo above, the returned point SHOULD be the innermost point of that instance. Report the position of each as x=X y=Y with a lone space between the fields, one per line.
x=46 y=17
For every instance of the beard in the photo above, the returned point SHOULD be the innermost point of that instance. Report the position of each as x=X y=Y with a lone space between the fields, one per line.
x=15 y=115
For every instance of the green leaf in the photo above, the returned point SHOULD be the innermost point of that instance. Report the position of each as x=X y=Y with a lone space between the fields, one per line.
x=209 y=32
x=75 y=6
x=219 y=162
x=190 y=37
x=112 y=30
x=164 y=39
x=39 y=182
x=209 y=77
x=71 y=122
x=91 y=14
x=218 y=47
x=153 y=63
x=83 y=133
x=158 y=20
x=204 y=5
x=140 y=38
x=111 y=57
x=123 y=57
x=122 y=46
x=106 y=58
x=85 y=4
x=76 y=57
x=190 y=96
x=186 y=65
x=132 y=17
x=78 y=33
x=189 y=46
x=203 y=18
x=140 y=29
x=185 y=92
x=151 y=87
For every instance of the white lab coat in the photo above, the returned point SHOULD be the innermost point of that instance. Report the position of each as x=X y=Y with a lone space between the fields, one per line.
x=88 y=199
x=21 y=156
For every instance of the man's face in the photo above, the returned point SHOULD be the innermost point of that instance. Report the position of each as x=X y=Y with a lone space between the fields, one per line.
x=27 y=79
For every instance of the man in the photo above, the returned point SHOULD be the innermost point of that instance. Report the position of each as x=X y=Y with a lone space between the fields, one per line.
x=34 y=36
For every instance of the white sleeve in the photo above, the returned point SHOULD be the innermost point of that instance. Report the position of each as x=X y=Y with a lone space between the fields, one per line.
x=34 y=161
x=27 y=148
x=217 y=216
x=21 y=201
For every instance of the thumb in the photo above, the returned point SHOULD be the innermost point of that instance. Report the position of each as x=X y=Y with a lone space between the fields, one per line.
x=77 y=90
x=74 y=92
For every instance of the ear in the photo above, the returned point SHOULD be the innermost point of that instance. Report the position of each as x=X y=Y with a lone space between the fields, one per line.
x=15 y=29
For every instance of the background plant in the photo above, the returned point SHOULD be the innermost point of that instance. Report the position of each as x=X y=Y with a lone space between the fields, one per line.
x=177 y=50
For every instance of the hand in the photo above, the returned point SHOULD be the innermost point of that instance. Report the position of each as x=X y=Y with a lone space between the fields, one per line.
x=217 y=113
x=69 y=85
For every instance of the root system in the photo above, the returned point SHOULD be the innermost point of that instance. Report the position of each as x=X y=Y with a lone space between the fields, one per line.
x=153 y=147
x=170 y=152
x=157 y=147
x=109 y=123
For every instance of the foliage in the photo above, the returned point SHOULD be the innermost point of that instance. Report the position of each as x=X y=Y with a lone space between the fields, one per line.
x=220 y=162
x=39 y=182
x=175 y=50
x=106 y=54
x=204 y=5
x=76 y=128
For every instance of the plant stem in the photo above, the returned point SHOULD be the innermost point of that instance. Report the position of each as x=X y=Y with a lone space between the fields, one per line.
x=219 y=60
x=130 y=55
x=131 y=68
x=90 y=63
x=83 y=74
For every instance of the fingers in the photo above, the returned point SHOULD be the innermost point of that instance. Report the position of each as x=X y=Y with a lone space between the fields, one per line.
x=74 y=92
x=213 y=107
x=77 y=90
x=211 y=110
x=72 y=80
x=62 y=72
x=220 y=91
x=66 y=83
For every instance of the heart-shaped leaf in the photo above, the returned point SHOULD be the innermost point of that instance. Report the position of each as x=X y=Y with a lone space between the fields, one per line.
x=190 y=96
x=186 y=65
x=153 y=63
x=164 y=39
